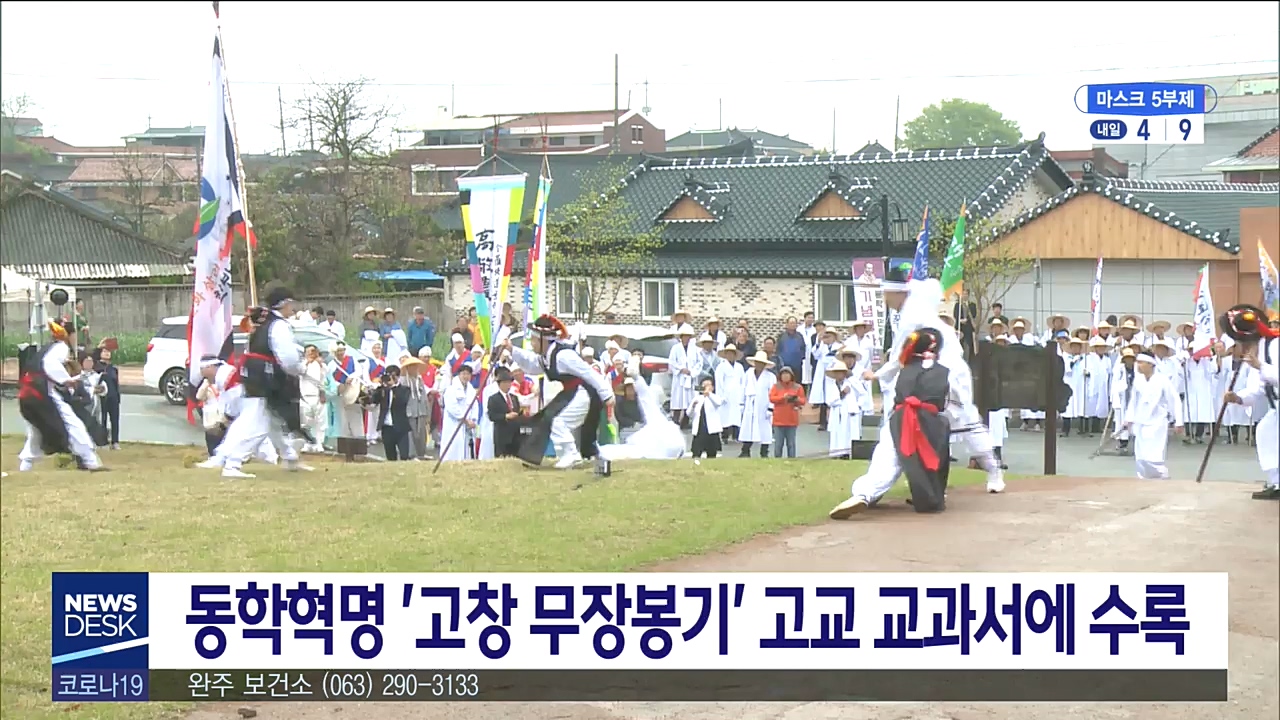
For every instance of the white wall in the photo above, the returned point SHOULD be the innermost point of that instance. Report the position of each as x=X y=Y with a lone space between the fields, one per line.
x=1153 y=289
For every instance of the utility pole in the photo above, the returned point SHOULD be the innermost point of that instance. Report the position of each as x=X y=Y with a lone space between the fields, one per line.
x=311 y=130
x=284 y=148
x=617 y=142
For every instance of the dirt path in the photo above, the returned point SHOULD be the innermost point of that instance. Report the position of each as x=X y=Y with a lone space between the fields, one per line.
x=1053 y=524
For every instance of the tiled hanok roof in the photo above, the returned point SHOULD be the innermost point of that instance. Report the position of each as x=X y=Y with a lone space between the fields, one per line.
x=131 y=168
x=1207 y=211
x=1267 y=145
x=51 y=236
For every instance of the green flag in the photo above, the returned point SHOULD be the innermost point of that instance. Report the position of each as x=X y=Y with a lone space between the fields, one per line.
x=953 y=265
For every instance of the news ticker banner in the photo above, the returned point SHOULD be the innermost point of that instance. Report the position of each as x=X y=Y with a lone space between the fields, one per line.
x=1071 y=637
x=1146 y=113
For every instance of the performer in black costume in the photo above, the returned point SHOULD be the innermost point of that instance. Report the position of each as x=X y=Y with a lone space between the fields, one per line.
x=270 y=371
x=571 y=421
x=54 y=426
x=919 y=429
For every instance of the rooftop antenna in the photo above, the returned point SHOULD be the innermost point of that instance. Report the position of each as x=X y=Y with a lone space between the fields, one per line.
x=646 y=107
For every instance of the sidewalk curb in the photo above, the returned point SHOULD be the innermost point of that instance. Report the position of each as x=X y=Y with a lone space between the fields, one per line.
x=124 y=389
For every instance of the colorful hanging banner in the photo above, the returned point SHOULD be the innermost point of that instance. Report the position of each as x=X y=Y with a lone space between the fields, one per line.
x=953 y=265
x=1097 y=296
x=491 y=207
x=537 y=271
x=1270 y=283
x=1202 y=341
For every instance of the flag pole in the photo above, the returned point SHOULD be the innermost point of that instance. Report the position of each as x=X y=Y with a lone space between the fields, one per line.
x=239 y=169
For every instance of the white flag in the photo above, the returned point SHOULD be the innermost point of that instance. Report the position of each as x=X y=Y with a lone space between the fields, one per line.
x=220 y=215
x=1201 y=343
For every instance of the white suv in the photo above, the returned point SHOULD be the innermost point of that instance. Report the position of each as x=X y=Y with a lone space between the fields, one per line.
x=166 y=366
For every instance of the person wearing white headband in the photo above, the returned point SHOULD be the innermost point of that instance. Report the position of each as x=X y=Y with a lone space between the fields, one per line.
x=1152 y=402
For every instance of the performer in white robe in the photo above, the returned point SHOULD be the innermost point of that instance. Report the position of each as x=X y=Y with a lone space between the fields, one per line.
x=1184 y=337
x=1201 y=377
x=706 y=359
x=858 y=401
x=679 y=365
x=729 y=376
x=1168 y=364
x=43 y=405
x=756 y=425
x=1261 y=395
x=658 y=438
x=486 y=422
x=1151 y=403
x=1020 y=327
x=920 y=310
x=998 y=420
x=823 y=355
x=1097 y=372
x=571 y=419
x=1235 y=415
x=1122 y=381
x=460 y=418
x=810 y=331
x=1073 y=375
x=840 y=440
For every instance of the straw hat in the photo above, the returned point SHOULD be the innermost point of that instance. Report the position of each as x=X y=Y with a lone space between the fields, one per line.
x=1130 y=324
x=837 y=367
x=849 y=349
x=1185 y=325
x=1065 y=320
x=994 y=322
x=685 y=331
x=705 y=338
x=1128 y=353
x=369 y=309
x=1019 y=322
x=389 y=311
x=1159 y=326
x=680 y=311
x=1076 y=341
x=1105 y=325
x=760 y=358
x=1131 y=318
x=1081 y=329
x=1000 y=338
x=713 y=320
x=729 y=349
x=409 y=361
x=1097 y=341
x=860 y=323
x=830 y=330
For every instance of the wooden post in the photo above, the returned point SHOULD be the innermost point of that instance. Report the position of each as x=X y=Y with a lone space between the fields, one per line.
x=1051 y=407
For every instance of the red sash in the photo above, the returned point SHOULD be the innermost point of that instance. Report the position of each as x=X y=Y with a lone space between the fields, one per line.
x=233 y=379
x=458 y=362
x=913 y=440
x=375 y=369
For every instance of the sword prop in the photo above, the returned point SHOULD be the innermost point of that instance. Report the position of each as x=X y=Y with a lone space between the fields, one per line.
x=1103 y=440
x=1217 y=424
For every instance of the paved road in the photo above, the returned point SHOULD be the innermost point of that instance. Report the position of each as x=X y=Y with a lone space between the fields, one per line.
x=150 y=419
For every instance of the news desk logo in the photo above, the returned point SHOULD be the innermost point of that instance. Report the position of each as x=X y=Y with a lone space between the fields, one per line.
x=1146 y=113
x=100 y=638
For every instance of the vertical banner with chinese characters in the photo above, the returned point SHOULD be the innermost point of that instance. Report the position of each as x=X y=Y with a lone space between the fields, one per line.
x=491 y=207
x=221 y=216
x=868 y=298
x=535 y=279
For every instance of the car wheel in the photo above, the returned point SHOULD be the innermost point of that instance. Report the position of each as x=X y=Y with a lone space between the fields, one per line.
x=173 y=385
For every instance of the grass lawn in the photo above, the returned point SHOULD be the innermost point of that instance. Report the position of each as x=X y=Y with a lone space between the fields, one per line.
x=151 y=513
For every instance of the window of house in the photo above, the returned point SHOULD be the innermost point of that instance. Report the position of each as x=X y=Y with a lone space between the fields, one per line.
x=637 y=133
x=835 y=302
x=660 y=298
x=526 y=142
x=573 y=298
x=557 y=141
x=433 y=180
x=588 y=140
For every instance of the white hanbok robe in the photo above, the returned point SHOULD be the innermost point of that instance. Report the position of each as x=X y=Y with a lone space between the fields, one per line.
x=845 y=421
x=729 y=379
x=823 y=389
x=486 y=422
x=54 y=365
x=1120 y=393
x=1030 y=341
x=369 y=336
x=1097 y=385
x=458 y=408
x=998 y=425
x=709 y=406
x=679 y=360
x=1151 y=403
x=1255 y=396
x=1201 y=389
x=1236 y=414
x=395 y=346
x=1073 y=375
x=756 y=424
x=806 y=372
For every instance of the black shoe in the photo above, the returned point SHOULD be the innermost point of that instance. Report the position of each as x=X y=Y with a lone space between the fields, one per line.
x=1271 y=493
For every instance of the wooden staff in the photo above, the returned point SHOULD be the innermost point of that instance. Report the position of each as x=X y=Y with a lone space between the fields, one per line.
x=239 y=168
x=1204 y=463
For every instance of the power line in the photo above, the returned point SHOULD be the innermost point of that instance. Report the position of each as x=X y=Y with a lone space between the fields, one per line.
x=682 y=83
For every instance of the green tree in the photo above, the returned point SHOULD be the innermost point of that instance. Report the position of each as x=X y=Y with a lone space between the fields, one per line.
x=11 y=109
x=960 y=123
x=599 y=239
x=990 y=268
x=318 y=227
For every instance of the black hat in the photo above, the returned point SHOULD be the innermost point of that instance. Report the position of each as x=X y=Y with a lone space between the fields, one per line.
x=278 y=296
x=549 y=326
x=925 y=341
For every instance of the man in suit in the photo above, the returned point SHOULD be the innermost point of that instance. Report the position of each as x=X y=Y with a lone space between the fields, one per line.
x=503 y=409
x=393 y=415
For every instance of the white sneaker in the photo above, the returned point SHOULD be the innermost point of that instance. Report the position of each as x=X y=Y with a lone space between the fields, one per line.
x=212 y=463
x=848 y=508
x=236 y=474
x=296 y=466
x=25 y=466
x=568 y=460
x=995 y=483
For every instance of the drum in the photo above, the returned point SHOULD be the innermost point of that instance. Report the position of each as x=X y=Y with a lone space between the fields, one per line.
x=350 y=392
